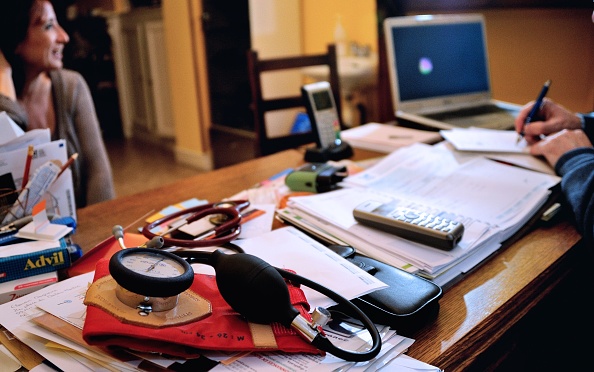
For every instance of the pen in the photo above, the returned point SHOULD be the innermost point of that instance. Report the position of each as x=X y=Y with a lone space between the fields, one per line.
x=27 y=167
x=68 y=163
x=535 y=108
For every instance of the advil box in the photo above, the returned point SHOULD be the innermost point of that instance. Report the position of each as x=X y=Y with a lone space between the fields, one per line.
x=19 y=287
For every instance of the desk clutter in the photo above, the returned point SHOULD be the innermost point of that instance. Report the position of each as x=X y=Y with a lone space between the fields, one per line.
x=257 y=298
x=37 y=213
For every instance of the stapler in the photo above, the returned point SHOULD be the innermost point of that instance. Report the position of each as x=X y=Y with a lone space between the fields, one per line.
x=315 y=177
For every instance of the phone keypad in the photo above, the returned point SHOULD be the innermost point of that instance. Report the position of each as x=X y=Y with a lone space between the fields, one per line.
x=327 y=128
x=425 y=220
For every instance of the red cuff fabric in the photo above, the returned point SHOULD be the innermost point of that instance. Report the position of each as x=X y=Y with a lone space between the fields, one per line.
x=224 y=329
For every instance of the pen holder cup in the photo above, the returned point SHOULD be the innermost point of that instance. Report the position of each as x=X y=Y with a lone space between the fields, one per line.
x=12 y=202
x=7 y=199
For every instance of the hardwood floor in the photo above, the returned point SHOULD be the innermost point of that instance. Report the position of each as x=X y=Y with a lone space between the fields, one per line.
x=138 y=166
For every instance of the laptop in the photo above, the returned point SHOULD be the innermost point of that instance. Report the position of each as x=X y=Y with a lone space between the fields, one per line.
x=439 y=72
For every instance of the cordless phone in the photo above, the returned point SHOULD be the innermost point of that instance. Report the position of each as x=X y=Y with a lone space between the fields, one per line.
x=413 y=225
x=322 y=112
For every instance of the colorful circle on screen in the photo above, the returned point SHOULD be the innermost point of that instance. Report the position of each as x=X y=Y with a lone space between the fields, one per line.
x=425 y=66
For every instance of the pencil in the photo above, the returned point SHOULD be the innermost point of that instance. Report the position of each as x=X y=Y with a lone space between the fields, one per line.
x=67 y=164
x=250 y=215
x=30 y=153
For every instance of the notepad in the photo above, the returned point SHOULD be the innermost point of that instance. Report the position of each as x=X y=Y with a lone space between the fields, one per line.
x=485 y=140
x=386 y=138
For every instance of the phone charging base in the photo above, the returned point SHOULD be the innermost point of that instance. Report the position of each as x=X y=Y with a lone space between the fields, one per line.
x=322 y=154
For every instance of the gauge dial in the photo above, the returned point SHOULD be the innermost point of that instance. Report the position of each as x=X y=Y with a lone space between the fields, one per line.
x=151 y=272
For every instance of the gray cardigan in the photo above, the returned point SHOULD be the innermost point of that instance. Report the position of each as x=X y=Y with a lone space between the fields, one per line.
x=77 y=123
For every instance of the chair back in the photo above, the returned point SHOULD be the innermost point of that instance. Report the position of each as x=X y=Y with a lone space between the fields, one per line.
x=266 y=144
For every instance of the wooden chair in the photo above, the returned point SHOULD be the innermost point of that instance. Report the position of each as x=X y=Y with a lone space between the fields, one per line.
x=265 y=144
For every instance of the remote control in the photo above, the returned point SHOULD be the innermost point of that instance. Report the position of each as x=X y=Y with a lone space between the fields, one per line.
x=413 y=225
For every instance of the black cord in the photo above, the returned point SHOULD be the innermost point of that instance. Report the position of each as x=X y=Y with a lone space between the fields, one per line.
x=202 y=257
x=320 y=341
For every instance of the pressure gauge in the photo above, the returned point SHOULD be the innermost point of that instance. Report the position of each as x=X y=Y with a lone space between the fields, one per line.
x=150 y=279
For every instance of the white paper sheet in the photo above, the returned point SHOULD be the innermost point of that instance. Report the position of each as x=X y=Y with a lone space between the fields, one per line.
x=486 y=140
x=289 y=248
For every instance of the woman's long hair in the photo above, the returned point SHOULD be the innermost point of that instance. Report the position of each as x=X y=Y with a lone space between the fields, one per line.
x=15 y=16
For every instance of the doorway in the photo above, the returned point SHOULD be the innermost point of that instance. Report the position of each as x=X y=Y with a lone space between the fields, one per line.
x=226 y=28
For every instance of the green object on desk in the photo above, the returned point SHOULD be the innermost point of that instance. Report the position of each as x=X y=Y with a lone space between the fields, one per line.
x=315 y=177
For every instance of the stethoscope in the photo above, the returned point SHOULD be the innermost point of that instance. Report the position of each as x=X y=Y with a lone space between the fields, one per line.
x=225 y=216
x=151 y=279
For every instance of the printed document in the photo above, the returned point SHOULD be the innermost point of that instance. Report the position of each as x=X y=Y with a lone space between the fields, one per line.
x=493 y=200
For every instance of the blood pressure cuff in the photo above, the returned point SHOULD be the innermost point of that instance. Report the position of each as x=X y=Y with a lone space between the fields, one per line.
x=221 y=329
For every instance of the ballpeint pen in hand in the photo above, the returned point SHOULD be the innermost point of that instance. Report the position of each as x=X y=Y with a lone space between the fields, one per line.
x=535 y=108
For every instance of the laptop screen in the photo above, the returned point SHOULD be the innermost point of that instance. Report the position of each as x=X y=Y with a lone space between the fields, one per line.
x=437 y=58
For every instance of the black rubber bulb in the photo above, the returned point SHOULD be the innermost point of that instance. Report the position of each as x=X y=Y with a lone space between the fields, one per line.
x=253 y=288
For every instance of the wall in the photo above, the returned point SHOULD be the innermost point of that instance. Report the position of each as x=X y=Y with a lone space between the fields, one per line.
x=358 y=17
x=189 y=83
x=529 y=46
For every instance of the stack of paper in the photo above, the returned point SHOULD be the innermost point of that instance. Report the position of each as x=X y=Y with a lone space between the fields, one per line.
x=493 y=201
x=386 y=138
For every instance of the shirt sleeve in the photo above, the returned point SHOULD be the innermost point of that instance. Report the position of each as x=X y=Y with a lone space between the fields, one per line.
x=15 y=111
x=588 y=124
x=100 y=179
x=576 y=168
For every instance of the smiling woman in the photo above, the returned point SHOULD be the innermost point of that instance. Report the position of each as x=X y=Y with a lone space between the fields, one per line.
x=38 y=93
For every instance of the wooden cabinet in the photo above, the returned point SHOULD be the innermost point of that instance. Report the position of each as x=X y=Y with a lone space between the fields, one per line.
x=141 y=72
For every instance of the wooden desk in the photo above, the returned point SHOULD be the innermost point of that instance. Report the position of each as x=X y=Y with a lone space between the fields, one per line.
x=476 y=313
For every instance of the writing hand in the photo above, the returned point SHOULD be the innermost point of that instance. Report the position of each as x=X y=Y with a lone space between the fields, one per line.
x=554 y=146
x=552 y=118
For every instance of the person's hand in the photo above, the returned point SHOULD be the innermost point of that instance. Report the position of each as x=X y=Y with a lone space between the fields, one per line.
x=553 y=146
x=554 y=118
x=6 y=83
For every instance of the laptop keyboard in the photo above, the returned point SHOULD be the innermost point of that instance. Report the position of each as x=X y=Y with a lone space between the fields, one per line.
x=486 y=116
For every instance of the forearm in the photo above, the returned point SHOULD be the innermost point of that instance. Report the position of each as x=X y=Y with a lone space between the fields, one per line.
x=6 y=87
x=14 y=110
x=6 y=82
